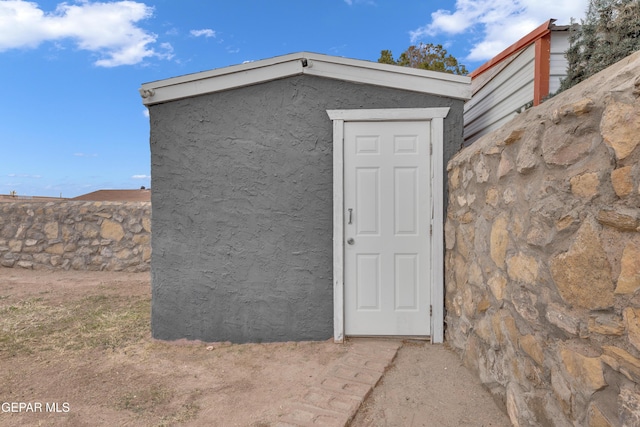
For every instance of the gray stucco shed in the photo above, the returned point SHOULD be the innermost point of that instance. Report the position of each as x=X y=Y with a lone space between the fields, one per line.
x=241 y=166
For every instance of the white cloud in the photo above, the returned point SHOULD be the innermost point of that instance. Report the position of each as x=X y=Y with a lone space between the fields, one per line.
x=108 y=29
x=140 y=177
x=499 y=23
x=167 y=51
x=367 y=2
x=203 y=33
x=145 y=112
x=23 y=175
x=337 y=49
x=85 y=155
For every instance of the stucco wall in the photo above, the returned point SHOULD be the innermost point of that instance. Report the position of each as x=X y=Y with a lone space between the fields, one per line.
x=242 y=207
x=543 y=256
x=65 y=235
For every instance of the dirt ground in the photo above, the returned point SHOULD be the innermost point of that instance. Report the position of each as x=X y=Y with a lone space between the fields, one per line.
x=75 y=350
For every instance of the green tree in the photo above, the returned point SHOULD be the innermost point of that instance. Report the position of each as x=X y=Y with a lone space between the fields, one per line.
x=426 y=57
x=609 y=33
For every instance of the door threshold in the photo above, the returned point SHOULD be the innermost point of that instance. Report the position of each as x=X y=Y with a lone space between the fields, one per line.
x=393 y=337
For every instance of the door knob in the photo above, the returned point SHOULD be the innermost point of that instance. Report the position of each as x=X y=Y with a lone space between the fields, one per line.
x=350 y=241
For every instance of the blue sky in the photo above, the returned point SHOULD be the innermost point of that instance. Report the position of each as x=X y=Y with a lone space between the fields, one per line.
x=71 y=118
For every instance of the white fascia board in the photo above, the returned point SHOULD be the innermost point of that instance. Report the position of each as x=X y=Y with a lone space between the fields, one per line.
x=215 y=81
x=442 y=84
x=395 y=69
x=353 y=70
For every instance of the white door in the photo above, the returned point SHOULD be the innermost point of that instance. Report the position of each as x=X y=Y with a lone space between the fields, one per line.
x=387 y=217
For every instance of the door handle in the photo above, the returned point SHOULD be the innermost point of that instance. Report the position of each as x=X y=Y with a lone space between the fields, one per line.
x=350 y=215
x=350 y=241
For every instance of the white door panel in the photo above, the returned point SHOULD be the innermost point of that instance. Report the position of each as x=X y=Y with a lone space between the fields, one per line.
x=386 y=230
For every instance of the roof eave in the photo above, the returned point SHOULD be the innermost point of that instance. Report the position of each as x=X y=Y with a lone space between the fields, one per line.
x=525 y=41
x=306 y=63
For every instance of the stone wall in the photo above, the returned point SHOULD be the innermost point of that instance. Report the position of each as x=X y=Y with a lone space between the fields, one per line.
x=543 y=256
x=76 y=235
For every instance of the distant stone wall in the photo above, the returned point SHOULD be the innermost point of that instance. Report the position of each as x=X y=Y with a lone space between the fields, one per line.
x=543 y=256
x=76 y=235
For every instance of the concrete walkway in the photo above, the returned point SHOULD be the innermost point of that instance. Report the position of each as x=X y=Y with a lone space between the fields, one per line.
x=335 y=398
x=390 y=383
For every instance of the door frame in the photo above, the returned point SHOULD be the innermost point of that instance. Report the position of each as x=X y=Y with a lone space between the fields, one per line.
x=436 y=117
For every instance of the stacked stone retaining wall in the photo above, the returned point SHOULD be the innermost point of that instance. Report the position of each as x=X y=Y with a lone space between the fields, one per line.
x=76 y=235
x=543 y=256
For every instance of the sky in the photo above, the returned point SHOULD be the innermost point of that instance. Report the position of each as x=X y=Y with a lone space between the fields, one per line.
x=72 y=120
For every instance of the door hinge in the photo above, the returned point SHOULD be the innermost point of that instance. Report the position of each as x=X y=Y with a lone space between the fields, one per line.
x=431 y=310
x=431 y=149
x=431 y=230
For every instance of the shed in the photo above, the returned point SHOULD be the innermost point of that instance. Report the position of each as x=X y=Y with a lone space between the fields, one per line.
x=141 y=195
x=300 y=197
x=517 y=78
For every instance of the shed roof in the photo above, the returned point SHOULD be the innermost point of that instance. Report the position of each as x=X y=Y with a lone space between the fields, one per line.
x=519 y=46
x=142 y=195
x=353 y=70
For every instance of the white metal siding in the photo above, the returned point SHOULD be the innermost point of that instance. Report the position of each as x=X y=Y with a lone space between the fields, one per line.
x=559 y=45
x=501 y=98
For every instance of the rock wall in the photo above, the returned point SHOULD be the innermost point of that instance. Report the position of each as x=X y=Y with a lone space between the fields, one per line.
x=543 y=256
x=76 y=235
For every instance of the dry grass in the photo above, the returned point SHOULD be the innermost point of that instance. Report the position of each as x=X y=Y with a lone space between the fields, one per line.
x=74 y=327
x=85 y=339
x=96 y=321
